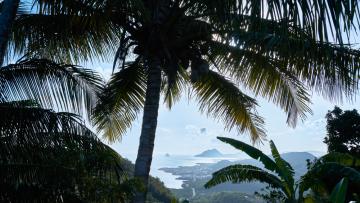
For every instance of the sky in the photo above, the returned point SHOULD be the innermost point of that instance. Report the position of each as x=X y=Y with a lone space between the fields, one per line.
x=183 y=130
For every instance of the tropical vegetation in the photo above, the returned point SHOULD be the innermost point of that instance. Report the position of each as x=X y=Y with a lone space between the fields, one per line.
x=49 y=173
x=278 y=49
x=49 y=156
x=52 y=157
x=343 y=131
x=327 y=171
x=228 y=197
x=279 y=175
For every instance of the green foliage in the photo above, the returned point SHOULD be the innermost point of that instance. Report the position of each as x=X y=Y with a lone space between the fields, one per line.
x=271 y=195
x=341 y=158
x=222 y=99
x=287 y=172
x=243 y=173
x=321 y=177
x=157 y=190
x=278 y=49
x=282 y=183
x=343 y=131
x=338 y=194
x=327 y=171
x=62 y=87
x=48 y=156
x=121 y=101
x=252 y=152
x=228 y=197
x=65 y=36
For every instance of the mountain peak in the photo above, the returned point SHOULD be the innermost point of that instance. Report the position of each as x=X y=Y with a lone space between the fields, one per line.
x=210 y=153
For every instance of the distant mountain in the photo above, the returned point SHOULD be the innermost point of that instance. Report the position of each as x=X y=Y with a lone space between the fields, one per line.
x=298 y=161
x=317 y=153
x=210 y=153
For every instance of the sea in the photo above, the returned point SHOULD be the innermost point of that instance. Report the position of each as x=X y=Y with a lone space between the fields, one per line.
x=173 y=161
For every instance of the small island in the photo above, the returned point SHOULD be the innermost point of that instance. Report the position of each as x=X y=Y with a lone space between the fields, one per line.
x=210 y=153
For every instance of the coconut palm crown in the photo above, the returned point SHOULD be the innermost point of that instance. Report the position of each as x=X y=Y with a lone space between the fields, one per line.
x=278 y=49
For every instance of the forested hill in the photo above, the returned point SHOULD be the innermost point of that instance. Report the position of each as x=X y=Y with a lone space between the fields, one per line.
x=158 y=193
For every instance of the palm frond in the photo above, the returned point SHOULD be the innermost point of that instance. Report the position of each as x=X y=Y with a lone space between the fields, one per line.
x=59 y=86
x=287 y=172
x=173 y=86
x=46 y=155
x=325 y=20
x=243 y=173
x=318 y=64
x=220 y=98
x=70 y=38
x=121 y=101
x=85 y=7
x=264 y=76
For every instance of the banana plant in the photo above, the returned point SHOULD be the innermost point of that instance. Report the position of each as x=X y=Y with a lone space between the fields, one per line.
x=277 y=173
x=338 y=194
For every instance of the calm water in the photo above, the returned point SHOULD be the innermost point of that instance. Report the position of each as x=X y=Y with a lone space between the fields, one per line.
x=172 y=161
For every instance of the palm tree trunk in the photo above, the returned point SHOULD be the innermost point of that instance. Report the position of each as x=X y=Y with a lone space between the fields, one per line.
x=7 y=17
x=147 y=137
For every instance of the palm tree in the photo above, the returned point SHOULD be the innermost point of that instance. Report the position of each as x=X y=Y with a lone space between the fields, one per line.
x=36 y=37
x=280 y=50
x=49 y=156
x=277 y=173
x=325 y=172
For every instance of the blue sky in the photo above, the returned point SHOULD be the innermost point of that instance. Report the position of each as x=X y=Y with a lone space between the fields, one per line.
x=184 y=130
